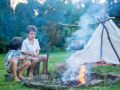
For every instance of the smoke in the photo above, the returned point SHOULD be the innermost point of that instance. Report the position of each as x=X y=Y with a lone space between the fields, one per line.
x=80 y=38
x=86 y=23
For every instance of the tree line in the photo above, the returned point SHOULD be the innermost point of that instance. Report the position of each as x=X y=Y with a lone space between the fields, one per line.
x=46 y=17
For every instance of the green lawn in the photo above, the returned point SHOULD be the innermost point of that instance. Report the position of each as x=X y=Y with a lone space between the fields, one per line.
x=53 y=59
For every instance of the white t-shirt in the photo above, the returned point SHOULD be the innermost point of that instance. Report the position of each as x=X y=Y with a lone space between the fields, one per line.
x=28 y=47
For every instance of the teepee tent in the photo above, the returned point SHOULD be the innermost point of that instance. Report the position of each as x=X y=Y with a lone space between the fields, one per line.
x=103 y=46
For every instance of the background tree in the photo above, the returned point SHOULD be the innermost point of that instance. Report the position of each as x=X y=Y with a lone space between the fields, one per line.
x=6 y=24
x=49 y=17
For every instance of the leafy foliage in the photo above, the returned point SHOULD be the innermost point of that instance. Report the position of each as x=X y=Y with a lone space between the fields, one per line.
x=50 y=14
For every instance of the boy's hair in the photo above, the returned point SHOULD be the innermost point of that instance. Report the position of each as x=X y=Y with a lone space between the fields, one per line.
x=31 y=28
x=15 y=43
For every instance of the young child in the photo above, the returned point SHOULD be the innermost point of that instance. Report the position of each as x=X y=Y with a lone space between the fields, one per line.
x=14 y=61
x=31 y=48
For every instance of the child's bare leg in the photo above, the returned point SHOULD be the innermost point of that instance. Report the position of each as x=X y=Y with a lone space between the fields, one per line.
x=14 y=69
x=34 y=61
x=25 y=66
x=44 y=59
x=31 y=69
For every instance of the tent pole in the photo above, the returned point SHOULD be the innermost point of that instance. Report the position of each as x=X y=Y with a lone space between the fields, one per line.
x=101 y=43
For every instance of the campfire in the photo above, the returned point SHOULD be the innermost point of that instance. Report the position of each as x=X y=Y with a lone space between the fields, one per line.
x=82 y=75
x=83 y=78
x=73 y=78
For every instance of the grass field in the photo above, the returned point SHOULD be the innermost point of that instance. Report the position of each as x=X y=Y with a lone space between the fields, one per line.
x=54 y=58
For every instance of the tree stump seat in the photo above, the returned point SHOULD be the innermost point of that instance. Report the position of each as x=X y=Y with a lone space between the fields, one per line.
x=36 y=69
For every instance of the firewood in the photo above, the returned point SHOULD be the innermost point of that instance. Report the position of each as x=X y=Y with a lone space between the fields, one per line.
x=96 y=82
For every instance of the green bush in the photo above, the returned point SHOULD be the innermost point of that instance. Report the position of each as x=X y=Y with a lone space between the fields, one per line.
x=3 y=46
x=57 y=49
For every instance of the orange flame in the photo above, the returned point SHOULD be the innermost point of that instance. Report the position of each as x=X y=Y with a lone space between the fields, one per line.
x=81 y=76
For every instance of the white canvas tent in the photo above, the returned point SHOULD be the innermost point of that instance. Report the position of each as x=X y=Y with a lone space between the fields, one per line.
x=103 y=45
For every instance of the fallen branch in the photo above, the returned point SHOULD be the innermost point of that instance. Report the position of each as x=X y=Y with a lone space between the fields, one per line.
x=68 y=25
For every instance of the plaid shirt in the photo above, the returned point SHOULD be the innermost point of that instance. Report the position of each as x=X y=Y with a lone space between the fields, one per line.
x=12 y=54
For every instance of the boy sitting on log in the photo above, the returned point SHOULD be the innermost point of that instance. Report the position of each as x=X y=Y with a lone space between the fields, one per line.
x=31 y=48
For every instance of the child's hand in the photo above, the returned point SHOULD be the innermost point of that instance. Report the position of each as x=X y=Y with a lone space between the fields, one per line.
x=35 y=54
x=21 y=58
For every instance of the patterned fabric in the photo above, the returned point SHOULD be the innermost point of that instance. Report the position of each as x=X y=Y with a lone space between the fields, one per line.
x=20 y=65
x=12 y=54
x=30 y=58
